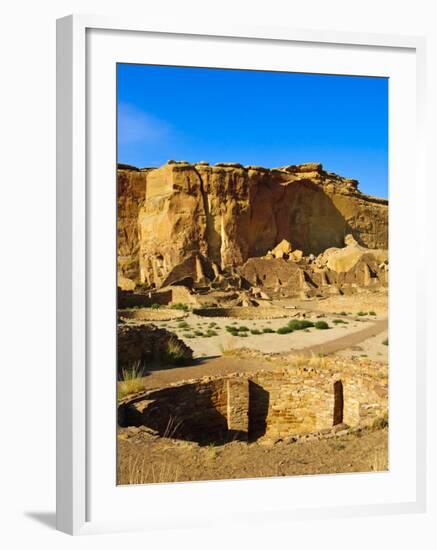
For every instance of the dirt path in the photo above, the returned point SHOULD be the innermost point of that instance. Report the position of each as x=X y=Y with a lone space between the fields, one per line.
x=228 y=364
x=347 y=341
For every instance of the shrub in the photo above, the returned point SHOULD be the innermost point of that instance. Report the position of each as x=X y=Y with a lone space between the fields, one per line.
x=372 y=312
x=243 y=329
x=381 y=422
x=284 y=330
x=183 y=324
x=321 y=325
x=131 y=379
x=182 y=307
x=385 y=342
x=198 y=333
x=211 y=332
x=296 y=324
x=268 y=330
x=342 y=313
x=255 y=331
x=242 y=334
x=226 y=350
x=155 y=306
x=188 y=335
x=362 y=313
x=177 y=353
x=339 y=322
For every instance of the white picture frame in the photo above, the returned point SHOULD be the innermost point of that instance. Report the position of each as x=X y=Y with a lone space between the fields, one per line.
x=74 y=341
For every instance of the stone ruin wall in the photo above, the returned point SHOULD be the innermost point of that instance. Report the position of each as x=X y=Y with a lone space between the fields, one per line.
x=145 y=344
x=274 y=404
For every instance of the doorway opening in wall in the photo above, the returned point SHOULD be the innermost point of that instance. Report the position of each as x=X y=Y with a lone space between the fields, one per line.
x=338 y=402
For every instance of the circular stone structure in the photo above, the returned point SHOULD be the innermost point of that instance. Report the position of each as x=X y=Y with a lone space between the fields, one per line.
x=243 y=312
x=246 y=406
x=147 y=314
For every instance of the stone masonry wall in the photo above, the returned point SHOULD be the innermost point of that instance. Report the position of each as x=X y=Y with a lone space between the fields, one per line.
x=273 y=404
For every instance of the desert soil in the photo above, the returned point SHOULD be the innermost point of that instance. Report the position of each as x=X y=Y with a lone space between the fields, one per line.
x=145 y=459
x=336 y=338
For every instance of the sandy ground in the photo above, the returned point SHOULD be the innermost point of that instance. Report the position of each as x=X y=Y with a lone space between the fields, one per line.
x=372 y=348
x=142 y=459
x=271 y=342
x=365 y=300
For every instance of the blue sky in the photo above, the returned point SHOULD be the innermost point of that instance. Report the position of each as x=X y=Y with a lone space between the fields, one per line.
x=252 y=117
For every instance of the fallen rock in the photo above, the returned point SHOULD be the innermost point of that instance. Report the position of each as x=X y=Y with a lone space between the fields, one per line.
x=281 y=250
x=296 y=255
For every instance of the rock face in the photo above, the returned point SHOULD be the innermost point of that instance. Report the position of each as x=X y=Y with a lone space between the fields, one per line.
x=185 y=222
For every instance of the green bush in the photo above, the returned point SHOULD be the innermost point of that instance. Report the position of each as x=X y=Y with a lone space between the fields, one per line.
x=243 y=329
x=362 y=313
x=339 y=322
x=284 y=330
x=155 y=306
x=255 y=331
x=242 y=334
x=211 y=332
x=268 y=330
x=385 y=342
x=198 y=333
x=321 y=325
x=372 y=312
x=182 y=307
x=296 y=324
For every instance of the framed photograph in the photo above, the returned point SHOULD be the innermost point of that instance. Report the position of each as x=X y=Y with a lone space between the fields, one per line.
x=238 y=336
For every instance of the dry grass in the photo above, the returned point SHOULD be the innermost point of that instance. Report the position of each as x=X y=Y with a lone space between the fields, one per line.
x=227 y=348
x=315 y=361
x=138 y=471
x=131 y=381
x=379 y=461
x=172 y=427
x=176 y=353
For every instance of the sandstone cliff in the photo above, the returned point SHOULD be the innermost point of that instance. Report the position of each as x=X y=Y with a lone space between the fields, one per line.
x=192 y=222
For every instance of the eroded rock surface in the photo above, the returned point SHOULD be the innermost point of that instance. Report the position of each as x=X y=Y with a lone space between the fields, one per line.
x=195 y=223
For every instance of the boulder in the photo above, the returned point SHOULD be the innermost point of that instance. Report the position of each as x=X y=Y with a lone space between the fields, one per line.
x=281 y=250
x=296 y=255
